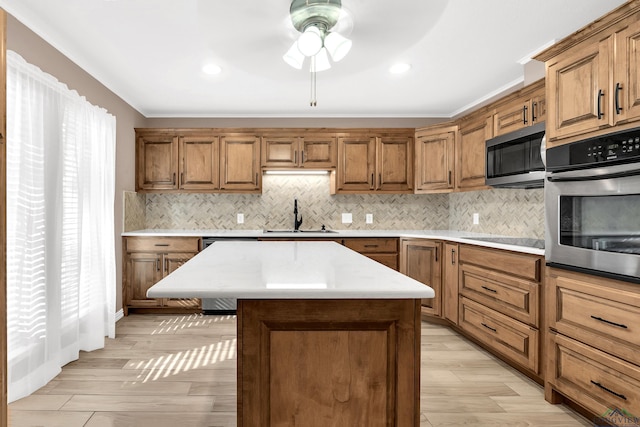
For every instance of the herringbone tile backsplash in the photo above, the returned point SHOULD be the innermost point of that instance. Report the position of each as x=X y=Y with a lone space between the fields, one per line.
x=508 y=212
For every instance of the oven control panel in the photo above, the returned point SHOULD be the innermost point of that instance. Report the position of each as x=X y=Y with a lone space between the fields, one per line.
x=621 y=147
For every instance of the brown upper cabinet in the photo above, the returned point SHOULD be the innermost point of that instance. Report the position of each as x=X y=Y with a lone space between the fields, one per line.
x=240 y=163
x=197 y=162
x=525 y=108
x=308 y=152
x=593 y=77
x=156 y=162
x=377 y=164
x=435 y=159
x=474 y=130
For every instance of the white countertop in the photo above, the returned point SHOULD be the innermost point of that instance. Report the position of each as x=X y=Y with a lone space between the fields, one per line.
x=286 y=270
x=450 y=235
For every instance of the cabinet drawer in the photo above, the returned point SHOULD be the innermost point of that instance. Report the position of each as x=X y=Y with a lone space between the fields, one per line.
x=162 y=244
x=390 y=260
x=513 y=339
x=592 y=378
x=521 y=265
x=372 y=245
x=605 y=317
x=514 y=297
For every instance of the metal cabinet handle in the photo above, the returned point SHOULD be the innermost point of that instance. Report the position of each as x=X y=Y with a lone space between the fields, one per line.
x=181 y=178
x=489 y=327
x=161 y=244
x=373 y=183
x=524 y=115
x=608 y=322
x=489 y=289
x=600 y=95
x=157 y=264
x=370 y=246
x=533 y=112
x=453 y=256
x=436 y=254
x=295 y=157
x=449 y=177
x=173 y=181
x=302 y=156
x=608 y=390
x=617 y=98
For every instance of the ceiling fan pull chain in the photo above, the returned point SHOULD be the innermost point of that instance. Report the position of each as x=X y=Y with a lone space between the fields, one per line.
x=313 y=102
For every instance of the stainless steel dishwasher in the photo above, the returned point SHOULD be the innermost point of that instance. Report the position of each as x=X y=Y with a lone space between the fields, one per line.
x=220 y=305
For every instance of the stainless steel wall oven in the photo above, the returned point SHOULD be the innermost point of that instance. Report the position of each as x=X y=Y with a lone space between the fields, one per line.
x=592 y=203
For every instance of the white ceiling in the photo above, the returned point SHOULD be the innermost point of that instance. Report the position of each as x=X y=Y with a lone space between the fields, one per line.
x=150 y=52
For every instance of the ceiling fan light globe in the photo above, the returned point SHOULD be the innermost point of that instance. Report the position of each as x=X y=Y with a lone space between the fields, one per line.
x=337 y=45
x=321 y=61
x=294 y=57
x=310 y=41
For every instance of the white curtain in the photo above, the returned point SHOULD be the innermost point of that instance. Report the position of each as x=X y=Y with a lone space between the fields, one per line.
x=60 y=226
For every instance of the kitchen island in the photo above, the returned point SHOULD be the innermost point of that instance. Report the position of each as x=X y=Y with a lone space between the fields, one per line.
x=326 y=336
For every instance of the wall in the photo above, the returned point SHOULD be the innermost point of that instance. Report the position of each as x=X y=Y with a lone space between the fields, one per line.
x=518 y=213
x=40 y=53
x=508 y=212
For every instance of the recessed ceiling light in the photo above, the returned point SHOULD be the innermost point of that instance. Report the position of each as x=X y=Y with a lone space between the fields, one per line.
x=211 y=69
x=399 y=68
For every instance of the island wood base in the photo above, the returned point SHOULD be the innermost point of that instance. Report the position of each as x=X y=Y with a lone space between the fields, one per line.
x=329 y=362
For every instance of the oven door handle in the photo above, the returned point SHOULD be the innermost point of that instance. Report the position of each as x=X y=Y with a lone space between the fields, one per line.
x=611 y=172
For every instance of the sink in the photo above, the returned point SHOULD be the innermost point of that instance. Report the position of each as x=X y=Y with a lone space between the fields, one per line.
x=298 y=231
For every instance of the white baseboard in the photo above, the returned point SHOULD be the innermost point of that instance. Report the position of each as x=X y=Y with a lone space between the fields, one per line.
x=119 y=314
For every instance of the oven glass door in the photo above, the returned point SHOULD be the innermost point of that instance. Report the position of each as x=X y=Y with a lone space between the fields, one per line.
x=593 y=220
x=601 y=223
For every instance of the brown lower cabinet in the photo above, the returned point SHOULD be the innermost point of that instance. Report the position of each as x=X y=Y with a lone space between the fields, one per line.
x=420 y=259
x=317 y=363
x=594 y=344
x=383 y=250
x=499 y=303
x=146 y=261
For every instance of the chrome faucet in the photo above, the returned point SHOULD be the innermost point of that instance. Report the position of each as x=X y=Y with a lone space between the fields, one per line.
x=296 y=222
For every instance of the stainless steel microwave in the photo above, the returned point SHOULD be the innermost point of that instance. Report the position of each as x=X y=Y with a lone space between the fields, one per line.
x=514 y=160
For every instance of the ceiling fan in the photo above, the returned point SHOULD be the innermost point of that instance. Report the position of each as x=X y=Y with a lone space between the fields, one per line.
x=314 y=19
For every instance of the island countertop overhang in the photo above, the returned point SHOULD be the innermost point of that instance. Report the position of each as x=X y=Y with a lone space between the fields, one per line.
x=286 y=270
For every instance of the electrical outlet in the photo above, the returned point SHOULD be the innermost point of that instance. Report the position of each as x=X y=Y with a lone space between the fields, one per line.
x=347 y=218
x=369 y=218
x=476 y=218
x=240 y=218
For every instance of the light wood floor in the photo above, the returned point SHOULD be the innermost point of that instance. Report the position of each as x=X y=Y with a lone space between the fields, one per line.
x=180 y=371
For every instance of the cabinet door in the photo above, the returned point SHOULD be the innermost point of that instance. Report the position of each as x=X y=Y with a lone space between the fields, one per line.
x=511 y=117
x=579 y=92
x=240 y=163
x=420 y=260
x=319 y=152
x=395 y=164
x=539 y=107
x=143 y=271
x=170 y=263
x=356 y=163
x=157 y=157
x=470 y=153
x=627 y=91
x=280 y=152
x=450 y=283
x=200 y=163
x=435 y=162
